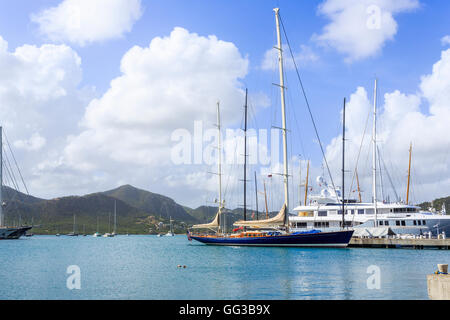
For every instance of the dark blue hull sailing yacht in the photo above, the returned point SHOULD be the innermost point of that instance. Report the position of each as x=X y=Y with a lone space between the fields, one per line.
x=271 y=231
x=306 y=239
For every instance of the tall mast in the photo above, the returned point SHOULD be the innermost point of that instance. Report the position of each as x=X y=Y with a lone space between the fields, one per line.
x=409 y=174
x=343 y=166
x=245 y=158
x=265 y=201
x=2 y=218
x=381 y=175
x=115 y=211
x=359 y=190
x=256 y=194
x=283 y=115
x=219 y=150
x=300 y=183
x=374 y=152
x=306 y=182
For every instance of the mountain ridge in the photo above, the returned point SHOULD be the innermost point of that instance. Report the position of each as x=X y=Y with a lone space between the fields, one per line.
x=138 y=211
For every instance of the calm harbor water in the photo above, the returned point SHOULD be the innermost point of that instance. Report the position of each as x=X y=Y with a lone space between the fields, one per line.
x=145 y=267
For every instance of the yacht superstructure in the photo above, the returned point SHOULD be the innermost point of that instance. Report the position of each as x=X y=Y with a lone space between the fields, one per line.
x=324 y=212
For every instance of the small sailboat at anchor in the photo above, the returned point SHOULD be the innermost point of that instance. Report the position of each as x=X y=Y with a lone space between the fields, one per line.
x=273 y=231
x=170 y=232
x=97 y=234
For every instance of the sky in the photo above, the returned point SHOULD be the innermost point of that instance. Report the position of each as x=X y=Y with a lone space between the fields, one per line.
x=97 y=94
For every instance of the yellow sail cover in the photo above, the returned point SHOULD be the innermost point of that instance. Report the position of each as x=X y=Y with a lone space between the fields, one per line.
x=276 y=221
x=213 y=224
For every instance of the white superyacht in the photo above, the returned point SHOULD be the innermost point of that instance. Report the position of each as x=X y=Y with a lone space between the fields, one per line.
x=324 y=212
x=377 y=218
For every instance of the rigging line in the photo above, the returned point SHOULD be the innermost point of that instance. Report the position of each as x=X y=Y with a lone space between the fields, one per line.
x=381 y=174
x=389 y=178
x=9 y=181
x=234 y=161
x=290 y=147
x=307 y=104
x=232 y=168
x=14 y=158
x=291 y=102
x=9 y=171
x=359 y=153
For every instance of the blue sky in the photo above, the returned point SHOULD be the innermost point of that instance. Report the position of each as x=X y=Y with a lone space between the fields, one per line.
x=329 y=75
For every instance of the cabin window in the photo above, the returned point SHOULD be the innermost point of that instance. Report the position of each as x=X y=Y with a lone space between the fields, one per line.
x=403 y=222
x=397 y=222
x=321 y=224
x=415 y=222
x=339 y=211
x=322 y=213
x=423 y=222
x=301 y=224
x=369 y=211
x=419 y=222
x=360 y=211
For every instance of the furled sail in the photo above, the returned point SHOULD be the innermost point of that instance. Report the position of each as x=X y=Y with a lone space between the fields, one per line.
x=276 y=221
x=213 y=224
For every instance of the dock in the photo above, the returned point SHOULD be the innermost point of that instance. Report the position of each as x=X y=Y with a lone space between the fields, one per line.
x=443 y=244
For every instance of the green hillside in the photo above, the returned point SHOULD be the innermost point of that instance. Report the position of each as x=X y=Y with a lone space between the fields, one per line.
x=57 y=215
x=437 y=204
x=152 y=203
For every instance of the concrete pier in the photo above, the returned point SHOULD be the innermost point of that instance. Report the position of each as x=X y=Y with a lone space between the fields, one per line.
x=400 y=243
x=438 y=286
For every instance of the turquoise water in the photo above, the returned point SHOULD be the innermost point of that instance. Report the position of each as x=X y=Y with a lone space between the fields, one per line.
x=145 y=267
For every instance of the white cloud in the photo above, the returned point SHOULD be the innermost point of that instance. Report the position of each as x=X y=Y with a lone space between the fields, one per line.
x=38 y=89
x=165 y=86
x=85 y=21
x=34 y=143
x=302 y=58
x=360 y=28
x=401 y=121
x=445 y=40
x=40 y=102
x=126 y=133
